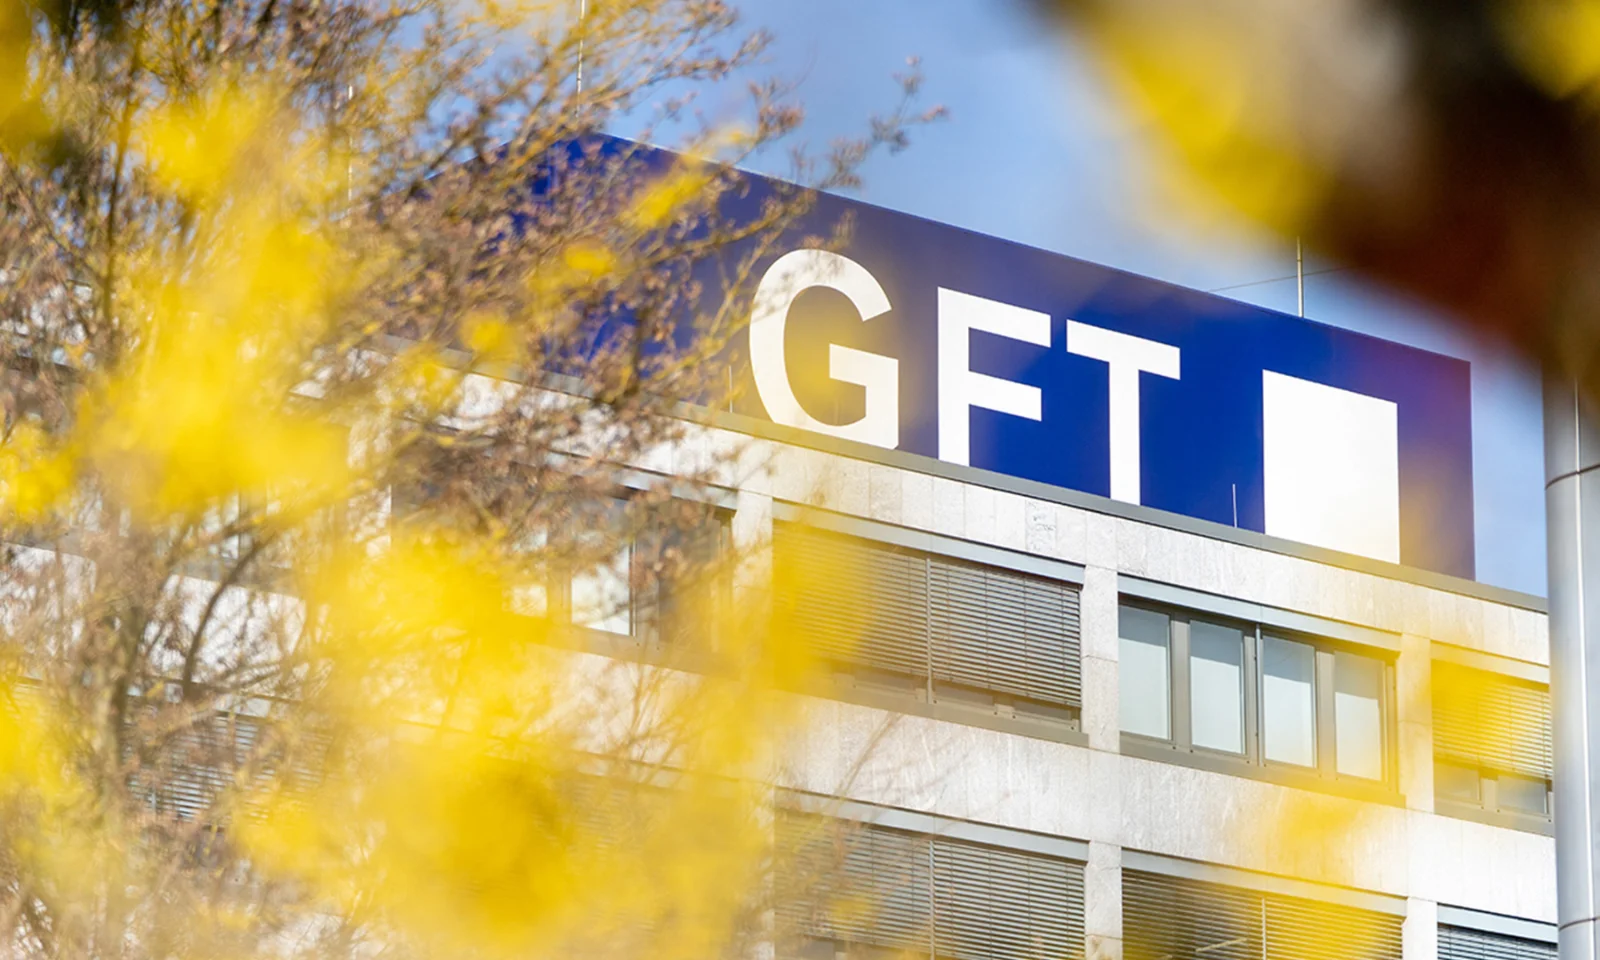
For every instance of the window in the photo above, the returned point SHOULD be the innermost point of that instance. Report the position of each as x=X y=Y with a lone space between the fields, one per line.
x=1240 y=696
x=1172 y=918
x=1288 y=702
x=1461 y=943
x=931 y=628
x=1216 y=687
x=622 y=569
x=601 y=592
x=1358 y=715
x=866 y=890
x=1144 y=671
x=1492 y=747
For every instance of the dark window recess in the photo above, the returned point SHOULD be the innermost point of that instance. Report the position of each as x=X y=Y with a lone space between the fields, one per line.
x=1460 y=943
x=1492 y=745
x=1171 y=918
x=928 y=625
x=864 y=890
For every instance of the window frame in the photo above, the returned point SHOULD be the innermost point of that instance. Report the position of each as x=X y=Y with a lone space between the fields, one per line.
x=648 y=598
x=647 y=627
x=1497 y=816
x=1252 y=761
x=1487 y=808
x=891 y=691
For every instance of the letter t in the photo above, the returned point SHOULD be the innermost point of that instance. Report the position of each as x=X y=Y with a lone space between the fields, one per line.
x=1127 y=356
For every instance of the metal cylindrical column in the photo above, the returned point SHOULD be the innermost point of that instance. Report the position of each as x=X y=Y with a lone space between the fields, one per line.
x=1572 y=521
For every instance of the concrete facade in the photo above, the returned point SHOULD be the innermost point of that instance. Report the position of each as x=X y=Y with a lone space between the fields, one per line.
x=1085 y=788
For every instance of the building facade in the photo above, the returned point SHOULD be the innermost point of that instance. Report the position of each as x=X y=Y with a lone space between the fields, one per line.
x=1070 y=726
x=1192 y=716
x=1148 y=618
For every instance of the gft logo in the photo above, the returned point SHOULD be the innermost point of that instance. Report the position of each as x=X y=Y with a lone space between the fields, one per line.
x=960 y=388
x=1118 y=386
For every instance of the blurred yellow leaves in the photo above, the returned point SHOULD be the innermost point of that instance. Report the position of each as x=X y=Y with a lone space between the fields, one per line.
x=52 y=819
x=31 y=759
x=194 y=147
x=589 y=260
x=1558 y=44
x=36 y=474
x=202 y=408
x=664 y=199
x=451 y=773
x=22 y=122
x=501 y=791
x=422 y=631
x=490 y=337
x=459 y=847
x=1227 y=110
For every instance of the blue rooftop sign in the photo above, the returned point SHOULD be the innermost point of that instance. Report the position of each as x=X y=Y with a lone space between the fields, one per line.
x=934 y=340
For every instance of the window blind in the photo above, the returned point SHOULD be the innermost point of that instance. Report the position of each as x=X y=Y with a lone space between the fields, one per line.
x=1482 y=719
x=199 y=765
x=930 y=618
x=1172 y=918
x=202 y=764
x=929 y=895
x=1460 y=943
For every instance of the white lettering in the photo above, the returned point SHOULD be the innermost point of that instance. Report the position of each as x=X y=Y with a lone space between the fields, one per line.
x=1128 y=356
x=960 y=389
x=878 y=375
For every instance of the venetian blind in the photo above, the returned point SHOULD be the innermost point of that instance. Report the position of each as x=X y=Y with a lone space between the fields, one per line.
x=929 y=895
x=1483 y=719
x=1172 y=918
x=1460 y=943
x=931 y=618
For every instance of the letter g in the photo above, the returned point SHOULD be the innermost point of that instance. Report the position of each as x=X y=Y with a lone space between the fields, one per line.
x=785 y=280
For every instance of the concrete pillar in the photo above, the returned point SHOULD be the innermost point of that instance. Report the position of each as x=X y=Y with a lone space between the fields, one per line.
x=1097 y=612
x=1414 y=680
x=1572 y=521
x=1102 y=903
x=1419 y=933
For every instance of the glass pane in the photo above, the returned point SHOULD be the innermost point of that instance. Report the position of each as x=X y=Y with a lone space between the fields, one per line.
x=1216 y=687
x=1143 y=684
x=1521 y=794
x=1456 y=783
x=1358 y=715
x=601 y=597
x=530 y=600
x=1288 y=702
x=531 y=596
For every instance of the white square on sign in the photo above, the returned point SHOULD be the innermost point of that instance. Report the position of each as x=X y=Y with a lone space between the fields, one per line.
x=1332 y=460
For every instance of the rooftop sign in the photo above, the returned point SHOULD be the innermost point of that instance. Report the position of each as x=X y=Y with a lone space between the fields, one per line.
x=972 y=350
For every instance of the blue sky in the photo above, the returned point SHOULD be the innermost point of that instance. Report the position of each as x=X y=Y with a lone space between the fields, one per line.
x=1037 y=151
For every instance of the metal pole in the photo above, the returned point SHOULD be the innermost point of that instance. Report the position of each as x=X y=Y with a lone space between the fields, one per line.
x=583 y=13
x=1299 y=277
x=1572 y=523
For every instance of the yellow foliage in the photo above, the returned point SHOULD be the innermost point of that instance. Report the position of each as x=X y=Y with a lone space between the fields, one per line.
x=467 y=814
x=36 y=474
x=52 y=823
x=194 y=147
x=203 y=408
x=1557 y=43
x=1227 y=115
x=482 y=785
x=491 y=337
x=662 y=200
x=589 y=260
